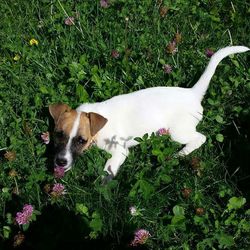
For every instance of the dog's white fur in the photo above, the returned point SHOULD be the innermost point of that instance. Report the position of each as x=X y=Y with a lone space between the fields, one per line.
x=132 y=115
x=73 y=133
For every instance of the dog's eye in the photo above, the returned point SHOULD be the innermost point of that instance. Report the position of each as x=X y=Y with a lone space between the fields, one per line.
x=80 y=140
x=59 y=134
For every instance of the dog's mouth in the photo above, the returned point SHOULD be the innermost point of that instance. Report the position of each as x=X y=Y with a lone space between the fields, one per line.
x=65 y=154
x=66 y=168
x=63 y=160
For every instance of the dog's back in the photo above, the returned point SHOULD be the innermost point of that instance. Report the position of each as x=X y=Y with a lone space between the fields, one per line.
x=178 y=110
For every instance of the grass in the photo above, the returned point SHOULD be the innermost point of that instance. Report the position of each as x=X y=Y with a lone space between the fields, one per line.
x=74 y=64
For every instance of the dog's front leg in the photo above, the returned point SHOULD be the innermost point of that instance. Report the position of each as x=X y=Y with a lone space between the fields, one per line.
x=113 y=164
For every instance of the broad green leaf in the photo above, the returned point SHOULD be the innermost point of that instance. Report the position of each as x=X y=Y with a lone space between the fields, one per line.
x=36 y=212
x=82 y=93
x=9 y=218
x=93 y=235
x=43 y=90
x=198 y=220
x=225 y=240
x=219 y=137
x=178 y=219
x=211 y=101
x=216 y=224
x=236 y=203
x=146 y=189
x=25 y=226
x=140 y=81
x=97 y=80
x=236 y=63
x=247 y=212
x=133 y=191
x=162 y=61
x=82 y=209
x=49 y=75
x=178 y=210
x=5 y=190
x=83 y=60
x=166 y=178
x=244 y=225
x=156 y=152
x=203 y=245
x=6 y=232
x=185 y=246
x=81 y=75
x=96 y=222
x=219 y=119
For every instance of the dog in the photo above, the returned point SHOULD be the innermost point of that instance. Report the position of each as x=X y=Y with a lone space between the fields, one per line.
x=114 y=124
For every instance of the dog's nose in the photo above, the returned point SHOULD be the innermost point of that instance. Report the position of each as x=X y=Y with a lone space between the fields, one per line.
x=61 y=162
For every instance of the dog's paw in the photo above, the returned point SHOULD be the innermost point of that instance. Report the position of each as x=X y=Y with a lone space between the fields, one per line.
x=181 y=153
x=107 y=179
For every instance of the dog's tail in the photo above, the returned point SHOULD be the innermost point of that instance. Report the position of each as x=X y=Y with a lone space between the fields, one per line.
x=201 y=86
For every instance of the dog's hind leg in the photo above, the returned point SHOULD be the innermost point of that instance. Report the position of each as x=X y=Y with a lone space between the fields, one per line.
x=195 y=142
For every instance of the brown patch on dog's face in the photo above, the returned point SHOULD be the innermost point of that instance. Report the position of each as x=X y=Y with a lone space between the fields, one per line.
x=83 y=138
x=90 y=124
x=65 y=122
x=64 y=118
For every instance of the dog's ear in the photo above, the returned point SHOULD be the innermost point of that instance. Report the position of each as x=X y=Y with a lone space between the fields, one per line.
x=58 y=109
x=96 y=121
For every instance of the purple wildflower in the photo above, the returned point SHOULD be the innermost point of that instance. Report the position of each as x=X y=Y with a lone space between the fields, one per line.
x=171 y=48
x=209 y=52
x=28 y=209
x=21 y=218
x=58 y=190
x=45 y=137
x=140 y=237
x=104 y=3
x=115 y=54
x=163 y=131
x=59 y=172
x=69 y=21
x=24 y=216
x=167 y=68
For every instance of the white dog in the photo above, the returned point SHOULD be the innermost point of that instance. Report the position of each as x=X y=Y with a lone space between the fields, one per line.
x=113 y=124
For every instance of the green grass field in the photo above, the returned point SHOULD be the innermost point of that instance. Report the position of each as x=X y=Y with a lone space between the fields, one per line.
x=109 y=48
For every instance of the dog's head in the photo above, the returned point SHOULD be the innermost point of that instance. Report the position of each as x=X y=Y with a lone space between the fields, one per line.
x=74 y=132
